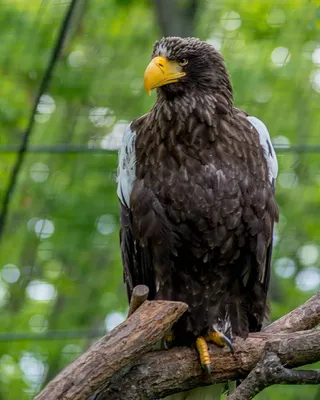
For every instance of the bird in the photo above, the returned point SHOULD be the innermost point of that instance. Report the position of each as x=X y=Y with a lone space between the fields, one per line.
x=196 y=185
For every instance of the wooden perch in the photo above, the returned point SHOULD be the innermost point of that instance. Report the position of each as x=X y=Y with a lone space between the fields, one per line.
x=270 y=371
x=139 y=295
x=304 y=317
x=115 y=368
x=123 y=345
x=161 y=373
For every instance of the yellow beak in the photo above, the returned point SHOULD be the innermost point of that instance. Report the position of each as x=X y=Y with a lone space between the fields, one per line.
x=161 y=72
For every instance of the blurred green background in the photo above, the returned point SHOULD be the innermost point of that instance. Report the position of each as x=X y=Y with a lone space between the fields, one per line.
x=60 y=270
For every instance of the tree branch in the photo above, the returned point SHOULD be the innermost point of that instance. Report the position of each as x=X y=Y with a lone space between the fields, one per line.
x=269 y=371
x=159 y=374
x=306 y=316
x=115 y=368
x=139 y=295
x=122 y=346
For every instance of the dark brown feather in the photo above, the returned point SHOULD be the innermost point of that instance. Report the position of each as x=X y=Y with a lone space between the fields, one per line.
x=136 y=260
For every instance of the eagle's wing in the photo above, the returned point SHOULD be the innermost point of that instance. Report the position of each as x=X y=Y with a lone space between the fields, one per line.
x=137 y=262
x=265 y=270
x=266 y=144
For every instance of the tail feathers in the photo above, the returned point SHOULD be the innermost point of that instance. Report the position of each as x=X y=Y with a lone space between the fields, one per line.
x=212 y=392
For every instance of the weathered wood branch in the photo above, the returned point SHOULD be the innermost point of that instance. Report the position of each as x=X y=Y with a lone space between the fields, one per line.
x=122 y=346
x=161 y=373
x=115 y=367
x=304 y=317
x=270 y=371
x=139 y=295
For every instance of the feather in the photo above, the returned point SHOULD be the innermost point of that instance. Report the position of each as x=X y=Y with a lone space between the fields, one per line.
x=127 y=166
x=136 y=260
x=266 y=144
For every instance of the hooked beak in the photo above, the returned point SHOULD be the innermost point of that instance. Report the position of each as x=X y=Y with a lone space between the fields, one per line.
x=161 y=72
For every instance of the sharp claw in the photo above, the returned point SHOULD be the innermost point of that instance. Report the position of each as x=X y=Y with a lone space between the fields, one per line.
x=228 y=343
x=207 y=368
x=201 y=343
x=221 y=339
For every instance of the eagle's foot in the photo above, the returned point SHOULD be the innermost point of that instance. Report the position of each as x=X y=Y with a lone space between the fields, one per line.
x=168 y=341
x=215 y=337
x=220 y=339
x=202 y=348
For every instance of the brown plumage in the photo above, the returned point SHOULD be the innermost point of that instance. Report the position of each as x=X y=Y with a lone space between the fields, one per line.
x=199 y=224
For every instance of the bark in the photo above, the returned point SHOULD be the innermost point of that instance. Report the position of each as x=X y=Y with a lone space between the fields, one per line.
x=115 y=367
x=139 y=295
x=303 y=317
x=270 y=371
x=122 y=346
x=159 y=374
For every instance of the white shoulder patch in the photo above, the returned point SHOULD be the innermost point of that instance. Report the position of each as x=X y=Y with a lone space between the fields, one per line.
x=126 y=166
x=266 y=143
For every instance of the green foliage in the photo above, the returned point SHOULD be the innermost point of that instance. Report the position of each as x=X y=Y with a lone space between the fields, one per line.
x=68 y=276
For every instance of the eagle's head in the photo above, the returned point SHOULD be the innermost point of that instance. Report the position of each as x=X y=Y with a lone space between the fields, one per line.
x=185 y=65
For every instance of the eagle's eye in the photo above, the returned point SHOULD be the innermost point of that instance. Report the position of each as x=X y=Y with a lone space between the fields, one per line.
x=183 y=62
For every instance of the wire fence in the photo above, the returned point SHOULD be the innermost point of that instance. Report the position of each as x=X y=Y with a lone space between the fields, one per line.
x=72 y=80
x=74 y=149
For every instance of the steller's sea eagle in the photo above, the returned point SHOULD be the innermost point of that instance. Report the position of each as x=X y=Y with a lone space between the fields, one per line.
x=196 y=183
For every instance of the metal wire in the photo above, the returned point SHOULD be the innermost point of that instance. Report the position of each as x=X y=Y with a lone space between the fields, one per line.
x=78 y=149
x=22 y=149
x=58 y=149
x=50 y=335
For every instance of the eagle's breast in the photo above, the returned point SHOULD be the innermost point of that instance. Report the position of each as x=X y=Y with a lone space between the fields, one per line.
x=210 y=177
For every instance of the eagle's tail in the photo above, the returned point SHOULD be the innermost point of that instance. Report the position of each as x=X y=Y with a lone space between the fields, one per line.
x=212 y=392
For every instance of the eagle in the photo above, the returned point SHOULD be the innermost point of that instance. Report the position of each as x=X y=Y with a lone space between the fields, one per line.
x=196 y=184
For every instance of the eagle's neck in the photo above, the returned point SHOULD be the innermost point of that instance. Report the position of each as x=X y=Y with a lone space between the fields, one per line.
x=183 y=124
x=202 y=106
x=180 y=127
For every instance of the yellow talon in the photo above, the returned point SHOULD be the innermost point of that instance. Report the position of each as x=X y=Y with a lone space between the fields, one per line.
x=202 y=348
x=201 y=344
x=220 y=339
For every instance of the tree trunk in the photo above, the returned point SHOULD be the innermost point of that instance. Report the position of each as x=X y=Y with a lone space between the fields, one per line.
x=177 y=17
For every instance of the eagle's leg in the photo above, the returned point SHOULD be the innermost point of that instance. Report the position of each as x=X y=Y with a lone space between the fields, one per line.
x=220 y=339
x=202 y=348
x=168 y=341
x=215 y=337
